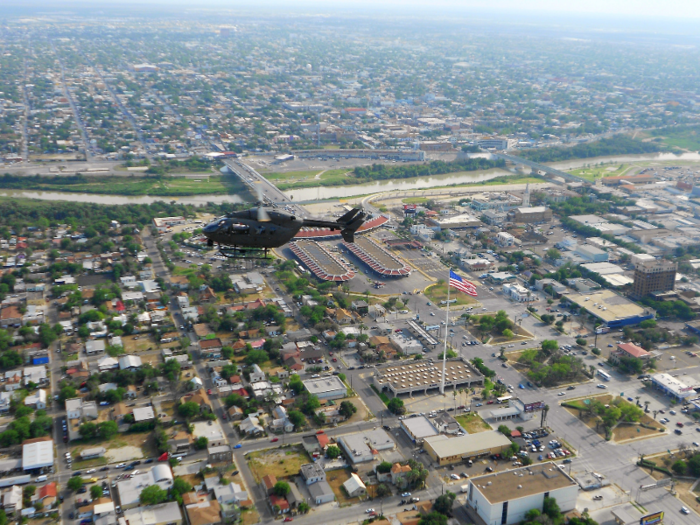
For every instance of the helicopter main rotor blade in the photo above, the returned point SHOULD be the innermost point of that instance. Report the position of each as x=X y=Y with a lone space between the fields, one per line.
x=262 y=214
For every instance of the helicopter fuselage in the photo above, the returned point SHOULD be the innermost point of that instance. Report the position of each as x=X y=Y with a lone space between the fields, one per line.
x=243 y=229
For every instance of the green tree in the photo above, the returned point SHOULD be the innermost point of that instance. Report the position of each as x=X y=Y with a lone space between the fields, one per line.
x=549 y=346
x=75 y=483
x=679 y=467
x=107 y=429
x=95 y=492
x=152 y=495
x=443 y=504
x=281 y=488
x=332 y=451
x=384 y=467
x=503 y=429
x=88 y=430
x=581 y=341
x=347 y=409
x=296 y=418
x=550 y=507
x=395 y=406
x=201 y=443
x=303 y=508
x=180 y=486
x=188 y=410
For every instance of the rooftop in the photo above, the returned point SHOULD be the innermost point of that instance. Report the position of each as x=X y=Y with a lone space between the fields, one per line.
x=37 y=455
x=324 y=384
x=153 y=514
x=446 y=447
x=420 y=427
x=522 y=482
x=607 y=305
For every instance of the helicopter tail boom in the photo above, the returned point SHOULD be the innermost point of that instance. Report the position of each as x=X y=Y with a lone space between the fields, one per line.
x=348 y=224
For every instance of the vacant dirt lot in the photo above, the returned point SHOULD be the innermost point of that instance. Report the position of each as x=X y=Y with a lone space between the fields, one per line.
x=280 y=462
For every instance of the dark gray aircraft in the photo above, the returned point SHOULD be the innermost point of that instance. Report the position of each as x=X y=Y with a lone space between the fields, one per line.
x=250 y=233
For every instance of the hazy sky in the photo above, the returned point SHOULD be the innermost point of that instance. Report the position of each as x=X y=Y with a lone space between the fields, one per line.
x=647 y=8
x=668 y=16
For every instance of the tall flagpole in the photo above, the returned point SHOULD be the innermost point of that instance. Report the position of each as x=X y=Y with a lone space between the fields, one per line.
x=447 y=323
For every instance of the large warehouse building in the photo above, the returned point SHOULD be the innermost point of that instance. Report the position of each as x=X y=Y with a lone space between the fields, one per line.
x=615 y=311
x=445 y=451
x=330 y=387
x=503 y=498
x=317 y=259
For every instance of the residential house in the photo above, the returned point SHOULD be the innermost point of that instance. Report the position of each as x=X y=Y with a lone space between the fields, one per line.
x=251 y=426
x=13 y=380
x=210 y=348
x=36 y=400
x=354 y=486
x=12 y=500
x=221 y=454
x=279 y=504
x=267 y=483
x=321 y=492
x=129 y=362
x=95 y=346
x=256 y=374
x=204 y=513
x=312 y=473
x=47 y=494
x=398 y=473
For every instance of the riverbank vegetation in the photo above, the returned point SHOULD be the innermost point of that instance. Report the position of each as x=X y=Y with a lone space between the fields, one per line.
x=615 y=145
x=132 y=185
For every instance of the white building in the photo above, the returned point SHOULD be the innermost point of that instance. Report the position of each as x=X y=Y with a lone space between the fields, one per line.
x=505 y=497
x=518 y=293
x=505 y=239
x=162 y=224
x=130 y=489
x=361 y=447
x=129 y=362
x=329 y=387
x=37 y=455
x=95 y=346
x=36 y=400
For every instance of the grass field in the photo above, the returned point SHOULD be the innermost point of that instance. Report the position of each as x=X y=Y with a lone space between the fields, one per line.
x=473 y=423
x=415 y=200
x=280 y=462
x=688 y=139
x=599 y=172
x=438 y=292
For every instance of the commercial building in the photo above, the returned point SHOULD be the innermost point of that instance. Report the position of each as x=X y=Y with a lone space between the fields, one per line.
x=591 y=253
x=422 y=376
x=445 y=451
x=162 y=224
x=329 y=387
x=363 y=446
x=421 y=334
x=37 y=454
x=377 y=258
x=615 y=311
x=130 y=489
x=320 y=262
x=154 y=514
x=518 y=292
x=532 y=215
x=672 y=386
x=418 y=428
x=658 y=275
x=504 y=498
x=629 y=350
x=456 y=222
x=505 y=239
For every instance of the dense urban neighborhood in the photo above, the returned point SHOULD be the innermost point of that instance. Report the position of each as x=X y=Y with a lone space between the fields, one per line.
x=507 y=335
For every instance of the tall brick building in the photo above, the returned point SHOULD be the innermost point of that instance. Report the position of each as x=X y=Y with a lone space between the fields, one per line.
x=658 y=275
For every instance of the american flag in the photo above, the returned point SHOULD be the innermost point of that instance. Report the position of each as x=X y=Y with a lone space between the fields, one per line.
x=462 y=284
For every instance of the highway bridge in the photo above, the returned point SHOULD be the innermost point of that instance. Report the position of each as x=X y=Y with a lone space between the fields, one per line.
x=541 y=167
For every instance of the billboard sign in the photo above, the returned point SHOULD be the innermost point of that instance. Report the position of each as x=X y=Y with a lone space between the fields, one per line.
x=530 y=407
x=650 y=519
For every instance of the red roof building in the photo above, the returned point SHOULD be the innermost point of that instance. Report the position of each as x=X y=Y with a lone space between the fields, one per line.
x=279 y=502
x=631 y=350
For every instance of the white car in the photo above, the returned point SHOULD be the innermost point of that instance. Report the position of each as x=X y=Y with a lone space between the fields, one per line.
x=121 y=465
x=601 y=385
x=561 y=394
x=685 y=510
x=91 y=471
x=368 y=511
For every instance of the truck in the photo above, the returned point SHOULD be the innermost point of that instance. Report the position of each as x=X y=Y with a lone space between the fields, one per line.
x=464 y=488
x=602 y=330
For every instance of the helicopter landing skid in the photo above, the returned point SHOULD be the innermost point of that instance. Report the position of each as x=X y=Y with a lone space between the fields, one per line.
x=244 y=253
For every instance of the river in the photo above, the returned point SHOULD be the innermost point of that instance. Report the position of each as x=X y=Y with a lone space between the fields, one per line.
x=339 y=192
x=307 y=194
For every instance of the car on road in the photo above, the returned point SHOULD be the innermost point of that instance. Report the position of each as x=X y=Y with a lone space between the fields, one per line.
x=572 y=387
x=82 y=490
x=561 y=394
x=287 y=519
x=405 y=494
x=90 y=471
x=415 y=499
x=121 y=465
x=679 y=424
x=696 y=444
x=237 y=445
x=367 y=511
x=678 y=431
x=601 y=385
x=567 y=460
x=481 y=404
x=685 y=510
x=274 y=440
x=504 y=365
x=672 y=412
x=76 y=474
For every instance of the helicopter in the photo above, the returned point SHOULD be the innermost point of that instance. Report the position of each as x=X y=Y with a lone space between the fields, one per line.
x=251 y=233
